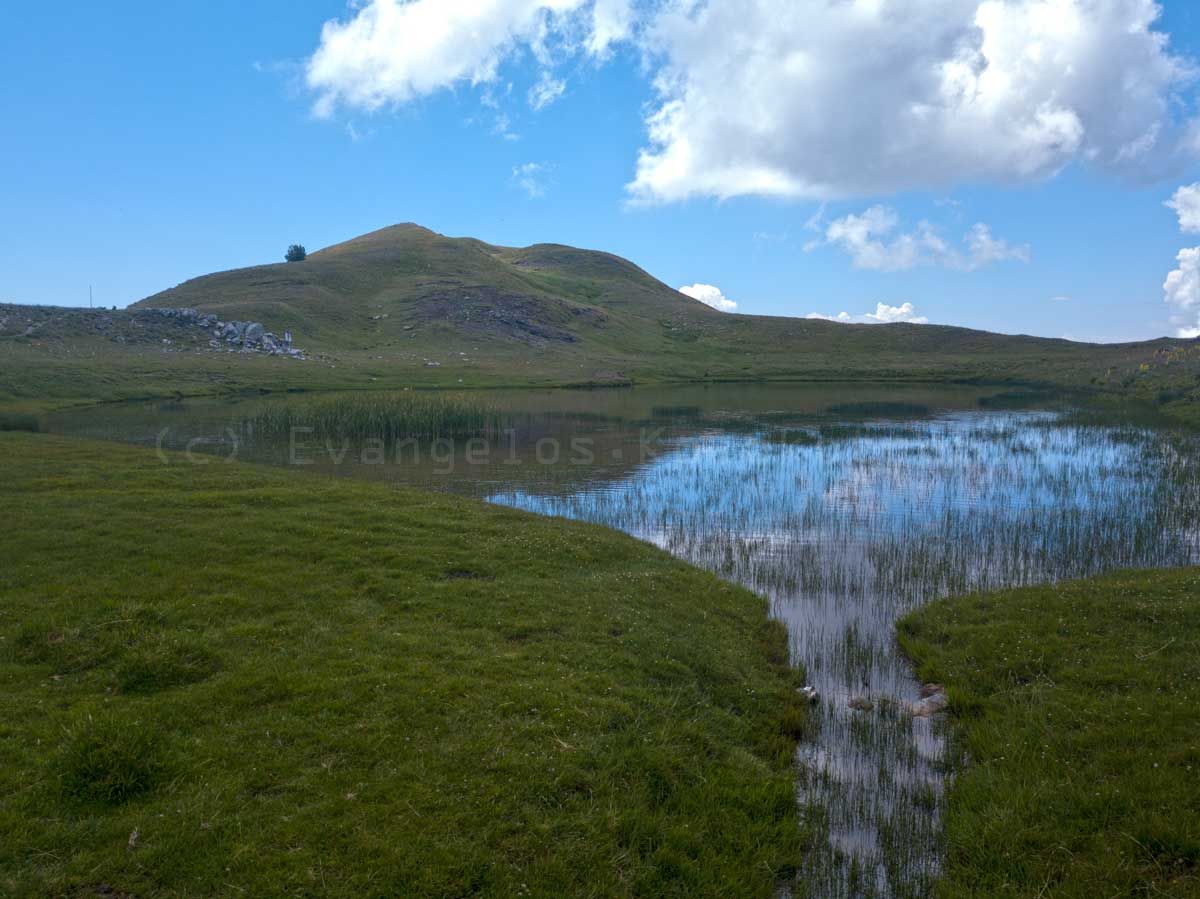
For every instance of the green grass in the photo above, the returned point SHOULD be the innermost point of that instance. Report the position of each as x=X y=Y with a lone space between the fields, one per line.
x=1075 y=707
x=382 y=416
x=291 y=685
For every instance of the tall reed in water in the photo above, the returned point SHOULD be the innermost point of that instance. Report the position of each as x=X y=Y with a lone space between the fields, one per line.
x=384 y=416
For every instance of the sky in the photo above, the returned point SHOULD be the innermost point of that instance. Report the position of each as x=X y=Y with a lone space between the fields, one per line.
x=1023 y=166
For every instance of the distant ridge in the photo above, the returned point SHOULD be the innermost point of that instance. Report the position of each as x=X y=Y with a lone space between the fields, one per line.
x=405 y=306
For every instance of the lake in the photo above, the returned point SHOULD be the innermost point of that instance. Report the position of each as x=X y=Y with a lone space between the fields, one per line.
x=846 y=506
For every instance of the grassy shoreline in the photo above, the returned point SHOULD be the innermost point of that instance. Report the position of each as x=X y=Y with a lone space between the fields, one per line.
x=285 y=684
x=1074 y=706
x=27 y=389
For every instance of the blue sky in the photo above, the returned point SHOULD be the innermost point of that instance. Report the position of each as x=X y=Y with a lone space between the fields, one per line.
x=147 y=143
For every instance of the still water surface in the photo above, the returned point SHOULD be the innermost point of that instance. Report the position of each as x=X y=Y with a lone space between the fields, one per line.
x=845 y=506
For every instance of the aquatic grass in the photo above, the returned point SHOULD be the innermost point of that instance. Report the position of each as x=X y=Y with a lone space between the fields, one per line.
x=879 y=409
x=843 y=431
x=1019 y=399
x=676 y=412
x=792 y=437
x=379 y=416
x=849 y=533
x=16 y=421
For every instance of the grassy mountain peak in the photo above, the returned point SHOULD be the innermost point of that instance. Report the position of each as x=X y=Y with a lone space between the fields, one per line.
x=370 y=291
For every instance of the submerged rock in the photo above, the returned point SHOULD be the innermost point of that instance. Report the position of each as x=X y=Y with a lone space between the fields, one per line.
x=929 y=706
x=861 y=704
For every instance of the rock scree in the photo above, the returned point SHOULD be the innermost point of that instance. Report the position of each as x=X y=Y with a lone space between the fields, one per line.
x=249 y=337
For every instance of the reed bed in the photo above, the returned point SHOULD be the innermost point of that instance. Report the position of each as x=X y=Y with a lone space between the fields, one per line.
x=382 y=416
x=849 y=526
x=15 y=421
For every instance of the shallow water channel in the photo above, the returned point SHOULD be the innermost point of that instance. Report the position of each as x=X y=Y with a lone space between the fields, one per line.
x=846 y=506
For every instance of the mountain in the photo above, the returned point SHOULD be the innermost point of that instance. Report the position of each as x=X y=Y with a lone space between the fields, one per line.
x=374 y=291
x=407 y=288
x=405 y=306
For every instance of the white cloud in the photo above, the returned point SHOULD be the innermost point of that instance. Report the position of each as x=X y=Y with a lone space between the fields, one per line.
x=391 y=52
x=533 y=178
x=709 y=296
x=810 y=98
x=547 y=90
x=869 y=240
x=873 y=242
x=612 y=21
x=883 y=315
x=905 y=313
x=1186 y=203
x=821 y=99
x=983 y=249
x=844 y=317
x=502 y=127
x=1182 y=290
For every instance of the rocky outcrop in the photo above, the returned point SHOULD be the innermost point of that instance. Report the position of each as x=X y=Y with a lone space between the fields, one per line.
x=249 y=337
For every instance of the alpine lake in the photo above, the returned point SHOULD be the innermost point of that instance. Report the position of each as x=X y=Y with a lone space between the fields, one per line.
x=846 y=506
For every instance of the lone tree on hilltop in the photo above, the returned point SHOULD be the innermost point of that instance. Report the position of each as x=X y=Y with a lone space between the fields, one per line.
x=296 y=253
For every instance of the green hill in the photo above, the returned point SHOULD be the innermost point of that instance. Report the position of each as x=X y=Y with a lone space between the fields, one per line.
x=406 y=285
x=405 y=306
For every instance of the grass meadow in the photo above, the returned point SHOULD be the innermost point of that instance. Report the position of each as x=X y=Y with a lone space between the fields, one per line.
x=225 y=680
x=1075 y=719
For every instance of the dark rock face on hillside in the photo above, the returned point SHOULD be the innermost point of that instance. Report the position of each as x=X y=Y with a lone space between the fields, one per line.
x=492 y=312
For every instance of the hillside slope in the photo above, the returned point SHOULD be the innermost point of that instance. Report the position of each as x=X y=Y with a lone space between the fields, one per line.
x=406 y=283
x=405 y=306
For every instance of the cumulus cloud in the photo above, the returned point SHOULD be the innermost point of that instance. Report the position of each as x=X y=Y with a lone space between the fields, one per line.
x=533 y=178
x=873 y=241
x=709 y=296
x=883 y=315
x=1186 y=203
x=390 y=52
x=811 y=98
x=834 y=98
x=1182 y=290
